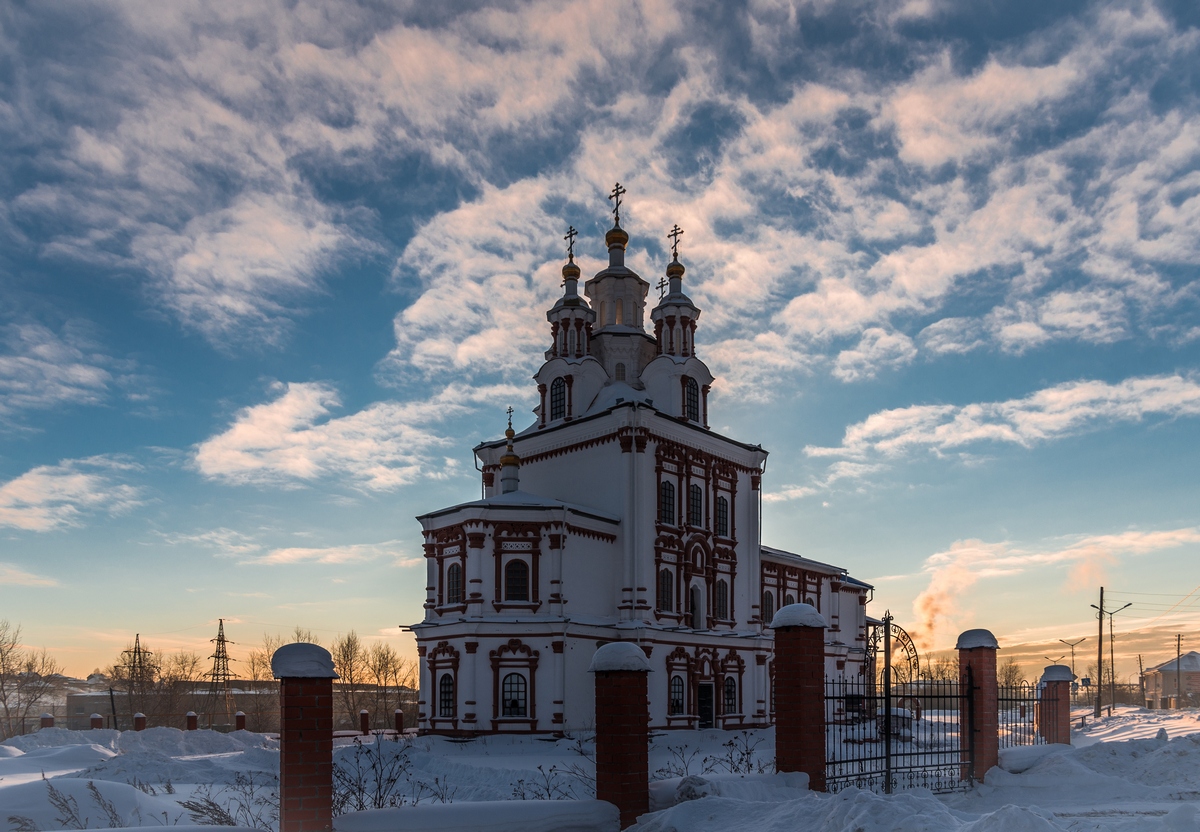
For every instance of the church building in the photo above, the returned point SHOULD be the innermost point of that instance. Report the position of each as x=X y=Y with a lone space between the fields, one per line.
x=618 y=515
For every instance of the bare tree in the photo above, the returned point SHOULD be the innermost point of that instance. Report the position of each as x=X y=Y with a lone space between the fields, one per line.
x=349 y=662
x=944 y=668
x=304 y=635
x=264 y=704
x=1010 y=674
x=28 y=678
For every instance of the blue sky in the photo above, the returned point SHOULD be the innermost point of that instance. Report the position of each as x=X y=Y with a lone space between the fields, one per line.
x=268 y=273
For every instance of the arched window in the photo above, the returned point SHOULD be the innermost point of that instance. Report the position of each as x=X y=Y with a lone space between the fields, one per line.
x=558 y=399
x=691 y=399
x=731 y=706
x=675 y=706
x=620 y=304
x=446 y=695
x=513 y=698
x=666 y=504
x=696 y=609
x=722 y=600
x=516 y=581
x=666 y=591
x=722 y=517
x=620 y=372
x=454 y=585
x=768 y=607
x=695 y=505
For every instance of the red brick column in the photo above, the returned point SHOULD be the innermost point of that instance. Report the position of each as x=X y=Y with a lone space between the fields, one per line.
x=364 y=722
x=399 y=714
x=97 y=721
x=977 y=651
x=193 y=721
x=800 y=692
x=239 y=721
x=1054 y=704
x=47 y=720
x=306 y=679
x=139 y=722
x=622 y=729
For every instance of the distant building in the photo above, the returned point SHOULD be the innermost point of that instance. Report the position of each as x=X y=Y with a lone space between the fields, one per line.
x=1162 y=681
x=618 y=515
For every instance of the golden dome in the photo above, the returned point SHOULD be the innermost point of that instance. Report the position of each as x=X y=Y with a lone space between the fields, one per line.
x=616 y=234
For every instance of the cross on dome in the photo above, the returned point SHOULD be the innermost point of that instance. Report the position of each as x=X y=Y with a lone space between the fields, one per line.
x=675 y=234
x=661 y=286
x=615 y=195
x=510 y=413
x=570 y=238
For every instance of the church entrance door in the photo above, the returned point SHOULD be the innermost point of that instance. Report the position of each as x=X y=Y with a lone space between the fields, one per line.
x=704 y=702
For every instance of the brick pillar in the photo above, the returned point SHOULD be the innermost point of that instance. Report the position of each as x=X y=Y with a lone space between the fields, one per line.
x=47 y=720
x=139 y=722
x=800 y=692
x=97 y=722
x=622 y=729
x=193 y=721
x=239 y=721
x=1054 y=704
x=306 y=679
x=399 y=721
x=364 y=722
x=977 y=651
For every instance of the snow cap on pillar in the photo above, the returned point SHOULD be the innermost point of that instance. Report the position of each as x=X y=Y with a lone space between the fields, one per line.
x=302 y=661
x=798 y=615
x=620 y=655
x=970 y=639
x=1058 y=673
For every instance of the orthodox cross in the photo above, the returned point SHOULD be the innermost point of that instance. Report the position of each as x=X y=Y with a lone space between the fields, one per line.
x=510 y=413
x=675 y=234
x=570 y=238
x=615 y=196
x=662 y=287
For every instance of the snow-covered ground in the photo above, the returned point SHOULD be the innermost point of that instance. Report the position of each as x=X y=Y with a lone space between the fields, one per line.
x=1138 y=770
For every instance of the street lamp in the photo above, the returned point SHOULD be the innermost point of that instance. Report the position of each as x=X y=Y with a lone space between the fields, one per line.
x=1073 y=645
x=1112 y=654
x=1056 y=661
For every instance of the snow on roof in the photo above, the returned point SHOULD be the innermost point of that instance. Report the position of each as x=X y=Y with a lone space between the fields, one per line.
x=977 y=638
x=522 y=500
x=1058 y=673
x=615 y=393
x=1190 y=662
x=798 y=615
x=619 y=655
x=302 y=661
x=791 y=557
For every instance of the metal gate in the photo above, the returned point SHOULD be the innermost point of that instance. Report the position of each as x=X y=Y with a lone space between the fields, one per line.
x=884 y=736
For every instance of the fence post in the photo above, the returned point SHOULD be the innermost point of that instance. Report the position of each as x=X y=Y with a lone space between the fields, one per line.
x=239 y=721
x=193 y=721
x=800 y=692
x=622 y=729
x=399 y=721
x=977 y=663
x=139 y=722
x=306 y=679
x=1054 y=704
x=97 y=721
x=47 y=721
x=364 y=722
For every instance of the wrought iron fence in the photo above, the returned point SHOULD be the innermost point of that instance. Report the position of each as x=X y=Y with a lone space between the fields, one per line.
x=887 y=738
x=1019 y=710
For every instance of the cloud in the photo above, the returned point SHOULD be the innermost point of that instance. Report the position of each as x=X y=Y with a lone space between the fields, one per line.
x=42 y=369
x=357 y=553
x=13 y=575
x=52 y=497
x=953 y=572
x=877 y=348
x=1053 y=413
x=841 y=470
x=294 y=439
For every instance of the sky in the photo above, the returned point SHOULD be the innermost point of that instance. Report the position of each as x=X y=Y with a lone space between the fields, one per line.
x=268 y=272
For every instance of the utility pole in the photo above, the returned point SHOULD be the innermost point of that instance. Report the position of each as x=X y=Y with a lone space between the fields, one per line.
x=1141 y=680
x=1100 y=613
x=1100 y=655
x=1178 y=669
